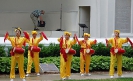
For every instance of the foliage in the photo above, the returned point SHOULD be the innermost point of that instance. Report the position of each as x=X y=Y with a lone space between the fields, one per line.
x=77 y=48
x=129 y=51
x=2 y=51
x=50 y=51
x=4 y=65
x=101 y=49
x=98 y=63
x=26 y=51
x=53 y=50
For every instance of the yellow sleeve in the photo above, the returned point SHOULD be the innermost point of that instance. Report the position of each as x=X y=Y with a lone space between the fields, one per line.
x=92 y=42
x=58 y=39
x=124 y=40
x=73 y=42
x=24 y=40
x=110 y=40
x=40 y=39
x=11 y=39
x=28 y=41
x=80 y=41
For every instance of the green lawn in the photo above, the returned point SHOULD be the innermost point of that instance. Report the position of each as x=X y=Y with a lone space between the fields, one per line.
x=115 y=79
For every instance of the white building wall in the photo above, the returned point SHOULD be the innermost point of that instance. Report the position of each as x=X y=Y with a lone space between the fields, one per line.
x=15 y=13
x=111 y=17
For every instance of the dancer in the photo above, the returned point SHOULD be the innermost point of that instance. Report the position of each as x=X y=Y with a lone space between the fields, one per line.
x=116 y=52
x=85 y=54
x=17 y=53
x=33 y=52
x=66 y=54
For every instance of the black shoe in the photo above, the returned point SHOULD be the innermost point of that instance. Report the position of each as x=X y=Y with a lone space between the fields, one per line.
x=36 y=29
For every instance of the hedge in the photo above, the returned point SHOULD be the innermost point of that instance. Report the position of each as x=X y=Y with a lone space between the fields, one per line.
x=53 y=50
x=98 y=63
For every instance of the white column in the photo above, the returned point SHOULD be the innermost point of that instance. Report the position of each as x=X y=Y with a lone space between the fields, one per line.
x=111 y=18
x=103 y=18
x=131 y=16
x=98 y=18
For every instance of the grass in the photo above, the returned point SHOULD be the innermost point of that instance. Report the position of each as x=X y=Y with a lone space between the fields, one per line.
x=115 y=79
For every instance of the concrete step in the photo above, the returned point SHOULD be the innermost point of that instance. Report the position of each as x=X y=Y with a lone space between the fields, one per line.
x=50 y=34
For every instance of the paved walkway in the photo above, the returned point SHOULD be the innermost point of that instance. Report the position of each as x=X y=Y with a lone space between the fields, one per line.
x=52 y=77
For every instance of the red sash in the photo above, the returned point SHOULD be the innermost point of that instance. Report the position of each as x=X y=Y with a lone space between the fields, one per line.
x=62 y=51
x=11 y=52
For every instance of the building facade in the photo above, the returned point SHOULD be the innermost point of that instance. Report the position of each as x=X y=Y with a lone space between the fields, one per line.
x=100 y=16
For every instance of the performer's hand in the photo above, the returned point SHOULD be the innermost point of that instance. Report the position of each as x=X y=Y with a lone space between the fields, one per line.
x=61 y=37
x=127 y=38
x=40 y=33
x=106 y=42
x=74 y=37
x=95 y=41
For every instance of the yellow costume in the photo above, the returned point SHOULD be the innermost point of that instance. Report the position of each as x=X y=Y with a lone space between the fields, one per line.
x=65 y=61
x=35 y=57
x=17 y=42
x=116 y=44
x=84 y=57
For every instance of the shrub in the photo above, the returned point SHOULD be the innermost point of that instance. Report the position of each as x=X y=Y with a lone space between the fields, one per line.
x=26 y=51
x=53 y=50
x=101 y=49
x=77 y=48
x=50 y=51
x=98 y=63
x=2 y=51
x=4 y=64
x=129 y=51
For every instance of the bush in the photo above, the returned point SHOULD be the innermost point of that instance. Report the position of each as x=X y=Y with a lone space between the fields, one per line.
x=2 y=51
x=26 y=51
x=129 y=51
x=101 y=49
x=53 y=50
x=98 y=63
x=77 y=48
x=4 y=65
x=9 y=48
